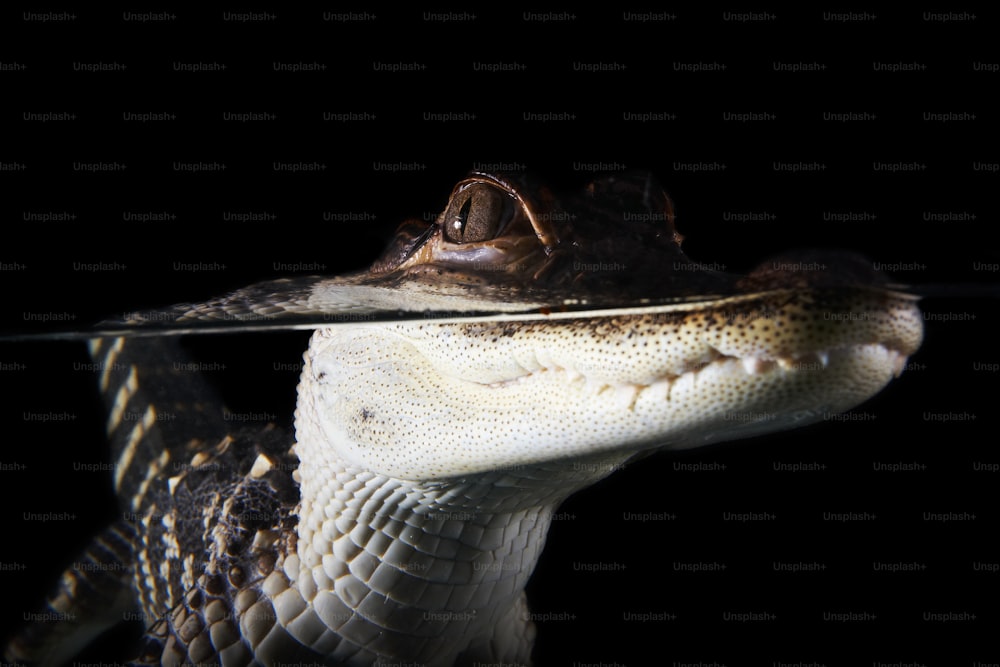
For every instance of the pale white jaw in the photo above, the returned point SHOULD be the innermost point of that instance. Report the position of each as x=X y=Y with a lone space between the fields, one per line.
x=426 y=401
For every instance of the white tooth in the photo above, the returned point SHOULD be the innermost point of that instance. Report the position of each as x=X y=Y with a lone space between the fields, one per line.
x=898 y=363
x=824 y=358
x=786 y=364
x=753 y=365
x=625 y=395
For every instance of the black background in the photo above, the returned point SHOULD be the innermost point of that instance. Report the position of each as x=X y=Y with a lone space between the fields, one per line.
x=930 y=225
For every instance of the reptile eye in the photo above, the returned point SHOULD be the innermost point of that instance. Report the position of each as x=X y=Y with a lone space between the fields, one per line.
x=477 y=213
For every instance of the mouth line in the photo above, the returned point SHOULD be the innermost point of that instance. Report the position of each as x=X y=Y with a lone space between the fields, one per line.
x=815 y=360
x=627 y=395
x=812 y=361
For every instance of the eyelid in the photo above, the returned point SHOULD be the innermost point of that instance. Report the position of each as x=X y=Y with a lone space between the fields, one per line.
x=526 y=208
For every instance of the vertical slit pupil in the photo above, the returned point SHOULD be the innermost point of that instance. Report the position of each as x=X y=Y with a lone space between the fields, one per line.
x=463 y=216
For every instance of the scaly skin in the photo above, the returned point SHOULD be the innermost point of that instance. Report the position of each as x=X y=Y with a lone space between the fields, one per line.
x=430 y=454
